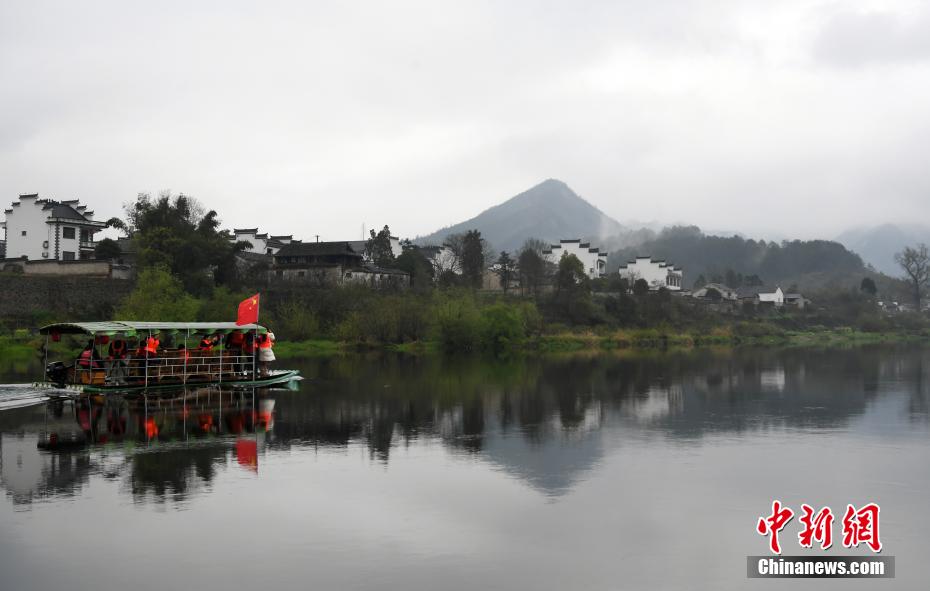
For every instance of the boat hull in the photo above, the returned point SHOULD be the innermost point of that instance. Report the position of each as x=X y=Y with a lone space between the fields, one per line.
x=276 y=377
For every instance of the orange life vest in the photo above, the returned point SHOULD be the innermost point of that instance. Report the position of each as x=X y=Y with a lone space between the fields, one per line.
x=265 y=342
x=86 y=356
x=118 y=349
x=206 y=344
x=151 y=345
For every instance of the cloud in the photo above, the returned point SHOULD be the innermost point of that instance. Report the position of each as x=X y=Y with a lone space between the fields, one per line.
x=857 y=38
x=314 y=118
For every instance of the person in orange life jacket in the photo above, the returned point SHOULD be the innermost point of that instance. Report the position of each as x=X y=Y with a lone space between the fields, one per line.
x=234 y=343
x=250 y=348
x=265 y=353
x=118 y=349
x=184 y=354
x=89 y=356
x=209 y=341
x=151 y=346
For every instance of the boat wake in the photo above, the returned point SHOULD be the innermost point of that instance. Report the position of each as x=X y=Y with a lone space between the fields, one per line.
x=20 y=395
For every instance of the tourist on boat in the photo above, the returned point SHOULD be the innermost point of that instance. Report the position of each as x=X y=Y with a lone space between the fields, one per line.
x=249 y=349
x=234 y=344
x=151 y=346
x=89 y=356
x=118 y=353
x=118 y=349
x=265 y=352
x=183 y=353
x=209 y=341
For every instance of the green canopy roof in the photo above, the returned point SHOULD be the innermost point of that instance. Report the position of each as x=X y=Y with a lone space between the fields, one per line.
x=131 y=327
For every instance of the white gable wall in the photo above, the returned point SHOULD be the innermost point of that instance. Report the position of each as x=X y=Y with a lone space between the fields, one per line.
x=29 y=217
x=595 y=265
x=656 y=274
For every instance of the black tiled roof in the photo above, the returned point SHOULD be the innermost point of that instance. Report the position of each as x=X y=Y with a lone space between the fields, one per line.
x=297 y=249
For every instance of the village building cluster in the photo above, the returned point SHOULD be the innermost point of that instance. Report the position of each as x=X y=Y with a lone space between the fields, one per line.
x=49 y=237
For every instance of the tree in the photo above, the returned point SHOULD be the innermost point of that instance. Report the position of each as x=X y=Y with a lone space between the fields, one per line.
x=107 y=250
x=378 y=248
x=531 y=265
x=505 y=269
x=916 y=265
x=573 y=290
x=473 y=258
x=174 y=232
x=159 y=296
x=867 y=286
x=571 y=277
x=420 y=269
x=699 y=282
x=640 y=287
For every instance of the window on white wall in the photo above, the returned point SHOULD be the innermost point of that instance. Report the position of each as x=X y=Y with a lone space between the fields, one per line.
x=67 y=233
x=67 y=255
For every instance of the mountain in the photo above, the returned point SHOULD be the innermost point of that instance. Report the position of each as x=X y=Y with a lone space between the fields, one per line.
x=810 y=264
x=877 y=245
x=549 y=211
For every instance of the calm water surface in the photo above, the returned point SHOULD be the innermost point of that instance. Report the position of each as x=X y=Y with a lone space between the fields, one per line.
x=643 y=471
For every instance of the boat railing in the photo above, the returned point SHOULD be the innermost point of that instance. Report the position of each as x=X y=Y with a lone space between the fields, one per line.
x=214 y=366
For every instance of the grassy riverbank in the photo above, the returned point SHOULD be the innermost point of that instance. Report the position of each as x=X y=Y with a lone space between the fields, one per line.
x=628 y=339
x=23 y=346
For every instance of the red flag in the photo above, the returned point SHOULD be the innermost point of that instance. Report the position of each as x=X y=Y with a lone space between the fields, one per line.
x=248 y=311
x=247 y=454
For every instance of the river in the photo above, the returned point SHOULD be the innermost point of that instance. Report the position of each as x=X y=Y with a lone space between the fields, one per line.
x=632 y=470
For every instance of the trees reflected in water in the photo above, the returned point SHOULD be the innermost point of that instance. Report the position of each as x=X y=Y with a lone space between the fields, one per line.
x=540 y=419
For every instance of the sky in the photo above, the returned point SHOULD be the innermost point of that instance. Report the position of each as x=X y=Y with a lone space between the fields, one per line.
x=788 y=118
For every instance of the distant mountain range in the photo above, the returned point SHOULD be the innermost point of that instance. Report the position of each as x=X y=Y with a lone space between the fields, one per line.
x=877 y=245
x=549 y=211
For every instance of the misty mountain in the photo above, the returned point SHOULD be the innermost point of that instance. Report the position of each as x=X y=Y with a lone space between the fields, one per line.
x=877 y=245
x=811 y=264
x=549 y=211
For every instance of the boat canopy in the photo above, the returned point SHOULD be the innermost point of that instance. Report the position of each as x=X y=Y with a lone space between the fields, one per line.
x=132 y=327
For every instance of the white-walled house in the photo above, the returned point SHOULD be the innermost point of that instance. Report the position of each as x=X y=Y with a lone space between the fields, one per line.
x=442 y=260
x=45 y=229
x=657 y=274
x=762 y=295
x=261 y=243
x=594 y=261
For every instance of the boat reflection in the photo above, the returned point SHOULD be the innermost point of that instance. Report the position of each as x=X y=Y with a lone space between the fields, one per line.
x=164 y=446
x=549 y=422
x=185 y=415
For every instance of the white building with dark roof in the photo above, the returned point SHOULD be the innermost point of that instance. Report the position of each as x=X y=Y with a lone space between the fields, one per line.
x=657 y=274
x=594 y=261
x=45 y=229
x=261 y=243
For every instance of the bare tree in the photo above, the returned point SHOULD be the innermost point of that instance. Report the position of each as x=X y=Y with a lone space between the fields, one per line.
x=916 y=265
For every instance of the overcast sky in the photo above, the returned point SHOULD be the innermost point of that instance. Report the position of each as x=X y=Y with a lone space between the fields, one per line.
x=785 y=118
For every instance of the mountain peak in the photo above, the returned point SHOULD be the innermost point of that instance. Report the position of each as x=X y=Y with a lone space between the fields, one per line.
x=549 y=211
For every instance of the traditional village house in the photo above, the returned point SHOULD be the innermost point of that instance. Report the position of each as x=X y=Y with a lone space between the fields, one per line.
x=723 y=293
x=261 y=243
x=44 y=229
x=331 y=263
x=657 y=274
x=594 y=261
x=762 y=296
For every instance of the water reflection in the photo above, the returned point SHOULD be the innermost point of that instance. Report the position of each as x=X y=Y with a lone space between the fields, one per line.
x=162 y=445
x=547 y=422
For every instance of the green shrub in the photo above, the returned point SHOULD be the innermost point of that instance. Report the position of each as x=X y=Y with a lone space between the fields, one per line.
x=502 y=327
x=457 y=322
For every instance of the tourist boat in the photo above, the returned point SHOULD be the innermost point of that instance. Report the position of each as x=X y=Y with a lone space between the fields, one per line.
x=129 y=355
